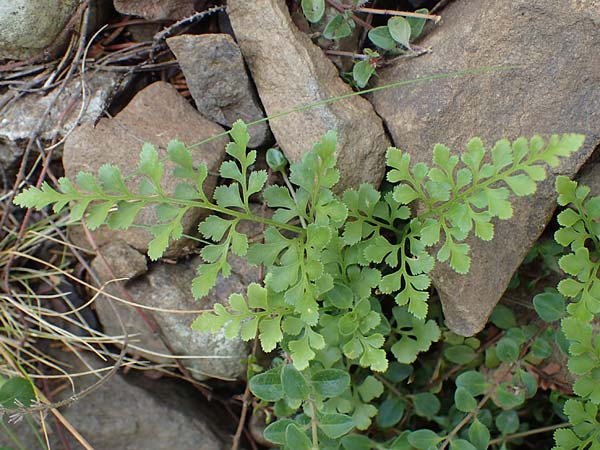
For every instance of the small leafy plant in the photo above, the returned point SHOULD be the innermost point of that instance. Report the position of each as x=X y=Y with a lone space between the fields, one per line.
x=344 y=302
x=394 y=38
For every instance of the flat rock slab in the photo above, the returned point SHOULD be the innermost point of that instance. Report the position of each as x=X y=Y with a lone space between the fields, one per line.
x=21 y=114
x=156 y=9
x=168 y=287
x=290 y=71
x=127 y=413
x=557 y=90
x=214 y=70
x=157 y=114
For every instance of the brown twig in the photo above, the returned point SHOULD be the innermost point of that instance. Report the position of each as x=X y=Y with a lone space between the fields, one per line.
x=393 y=12
x=342 y=8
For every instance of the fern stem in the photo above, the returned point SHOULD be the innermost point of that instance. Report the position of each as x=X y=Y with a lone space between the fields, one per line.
x=477 y=187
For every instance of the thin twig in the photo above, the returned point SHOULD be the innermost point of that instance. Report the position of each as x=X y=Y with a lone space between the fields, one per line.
x=521 y=434
x=393 y=12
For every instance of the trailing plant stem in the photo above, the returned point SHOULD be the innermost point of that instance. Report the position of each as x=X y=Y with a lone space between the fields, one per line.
x=522 y=434
x=465 y=421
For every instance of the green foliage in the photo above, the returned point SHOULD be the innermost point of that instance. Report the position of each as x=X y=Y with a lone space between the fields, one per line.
x=16 y=392
x=393 y=38
x=346 y=286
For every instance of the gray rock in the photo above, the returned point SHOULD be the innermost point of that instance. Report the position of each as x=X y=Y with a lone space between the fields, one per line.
x=125 y=416
x=217 y=79
x=157 y=114
x=556 y=90
x=20 y=116
x=156 y=9
x=29 y=26
x=123 y=261
x=290 y=71
x=168 y=287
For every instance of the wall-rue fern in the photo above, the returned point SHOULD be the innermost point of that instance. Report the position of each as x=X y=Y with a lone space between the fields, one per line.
x=333 y=265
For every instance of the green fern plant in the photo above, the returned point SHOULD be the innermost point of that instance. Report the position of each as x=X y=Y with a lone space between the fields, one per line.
x=329 y=262
x=580 y=234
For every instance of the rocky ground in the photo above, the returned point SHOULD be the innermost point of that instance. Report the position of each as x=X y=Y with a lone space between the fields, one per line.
x=75 y=95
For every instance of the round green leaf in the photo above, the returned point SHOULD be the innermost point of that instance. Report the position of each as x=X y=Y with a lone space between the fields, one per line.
x=461 y=444
x=479 y=435
x=381 y=37
x=398 y=372
x=362 y=72
x=417 y=24
x=267 y=386
x=337 y=28
x=550 y=306
x=16 y=389
x=390 y=412
x=507 y=422
x=426 y=404
x=275 y=432
x=295 y=438
x=330 y=382
x=472 y=381
x=399 y=29
x=503 y=317
x=294 y=385
x=464 y=401
x=357 y=442
x=335 y=425
x=509 y=397
x=459 y=354
x=507 y=350
x=313 y=9
x=541 y=348
x=423 y=439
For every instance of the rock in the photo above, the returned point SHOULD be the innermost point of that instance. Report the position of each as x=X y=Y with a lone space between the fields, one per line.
x=556 y=90
x=168 y=287
x=122 y=415
x=157 y=114
x=21 y=115
x=29 y=26
x=124 y=261
x=217 y=79
x=290 y=71
x=156 y=9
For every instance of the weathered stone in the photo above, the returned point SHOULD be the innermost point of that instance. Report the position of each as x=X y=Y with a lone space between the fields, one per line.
x=217 y=79
x=157 y=114
x=29 y=26
x=555 y=90
x=123 y=415
x=168 y=287
x=290 y=71
x=156 y=9
x=123 y=261
x=21 y=115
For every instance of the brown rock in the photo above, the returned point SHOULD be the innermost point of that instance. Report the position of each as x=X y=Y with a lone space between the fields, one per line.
x=290 y=71
x=556 y=90
x=157 y=114
x=156 y=9
x=123 y=261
